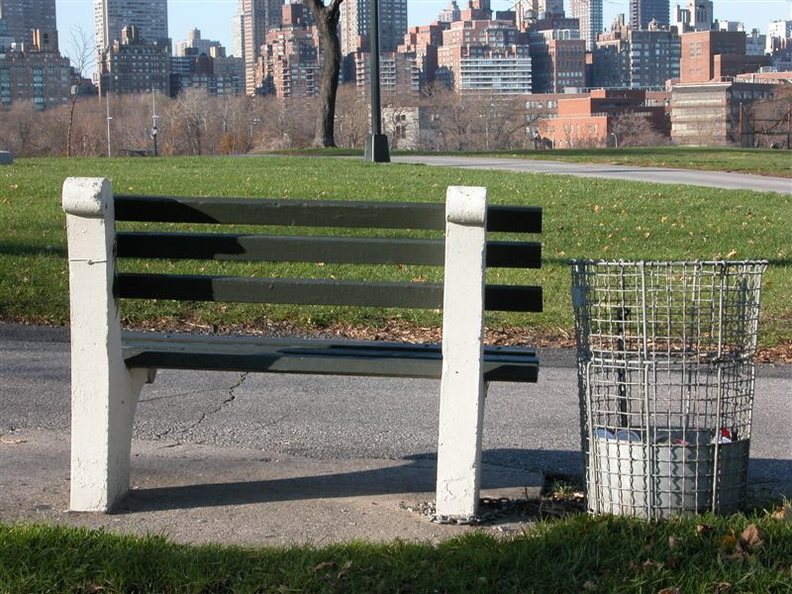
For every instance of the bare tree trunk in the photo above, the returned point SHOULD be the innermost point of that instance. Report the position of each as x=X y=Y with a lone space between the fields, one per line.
x=326 y=17
x=71 y=124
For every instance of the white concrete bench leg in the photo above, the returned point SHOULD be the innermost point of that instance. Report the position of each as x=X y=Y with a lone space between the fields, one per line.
x=462 y=390
x=104 y=392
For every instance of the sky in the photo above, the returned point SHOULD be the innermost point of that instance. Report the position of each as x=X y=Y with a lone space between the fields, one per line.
x=213 y=17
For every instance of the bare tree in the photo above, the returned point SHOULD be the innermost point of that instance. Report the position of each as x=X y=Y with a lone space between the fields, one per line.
x=19 y=132
x=352 y=116
x=326 y=17
x=633 y=129
x=190 y=118
x=82 y=51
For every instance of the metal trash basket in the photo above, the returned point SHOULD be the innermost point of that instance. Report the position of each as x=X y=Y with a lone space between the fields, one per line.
x=666 y=382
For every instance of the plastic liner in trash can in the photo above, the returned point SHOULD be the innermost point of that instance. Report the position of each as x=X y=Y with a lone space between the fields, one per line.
x=666 y=382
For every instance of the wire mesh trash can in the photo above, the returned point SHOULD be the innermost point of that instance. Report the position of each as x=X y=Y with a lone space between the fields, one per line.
x=666 y=382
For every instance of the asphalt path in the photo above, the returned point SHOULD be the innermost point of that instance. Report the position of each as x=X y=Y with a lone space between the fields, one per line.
x=691 y=177
x=534 y=427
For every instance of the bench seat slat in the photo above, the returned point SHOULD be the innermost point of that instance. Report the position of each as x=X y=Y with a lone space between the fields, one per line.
x=322 y=357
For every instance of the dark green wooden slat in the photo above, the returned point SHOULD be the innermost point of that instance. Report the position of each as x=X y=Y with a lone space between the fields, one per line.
x=318 y=357
x=273 y=248
x=512 y=254
x=314 y=292
x=279 y=290
x=314 y=213
x=176 y=341
x=300 y=213
x=514 y=219
x=513 y=298
x=370 y=250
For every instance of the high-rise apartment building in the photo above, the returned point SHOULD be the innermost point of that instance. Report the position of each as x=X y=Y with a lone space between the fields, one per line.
x=38 y=74
x=559 y=60
x=642 y=59
x=696 y=16
x=22 y=17
x=550 y=6
x=255 y=18
x=291 y=56
x=643 y=12
x=149 y=16
x=589 y=14
x=133 y=65
x=485 y=56
x=708 y=55
x=355 y=24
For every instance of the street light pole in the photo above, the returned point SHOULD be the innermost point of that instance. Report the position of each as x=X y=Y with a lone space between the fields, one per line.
x=154 y=117
x=376 y=149
x=107 y=106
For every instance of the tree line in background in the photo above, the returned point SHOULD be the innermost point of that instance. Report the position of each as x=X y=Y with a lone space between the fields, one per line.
x=196 y=123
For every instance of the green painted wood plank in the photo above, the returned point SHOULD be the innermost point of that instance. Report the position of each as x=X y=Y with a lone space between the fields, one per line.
x=289 y=248
x=298 y=213
x=314 y=213
x=280 y=248
x=281 y=355
x=297 y=291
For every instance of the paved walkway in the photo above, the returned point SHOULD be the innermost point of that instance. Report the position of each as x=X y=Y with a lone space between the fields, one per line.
x=691 y=177
x=278 y=459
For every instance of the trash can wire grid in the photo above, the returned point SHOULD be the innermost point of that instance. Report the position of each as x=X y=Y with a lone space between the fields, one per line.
x=665 y=360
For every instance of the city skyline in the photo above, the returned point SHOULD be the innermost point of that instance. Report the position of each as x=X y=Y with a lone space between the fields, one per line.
x=213 y=17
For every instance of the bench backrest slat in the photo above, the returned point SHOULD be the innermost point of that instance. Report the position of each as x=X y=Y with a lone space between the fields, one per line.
x=286 y=248
x=409 y=221
x=293 y=213
x=314 y=213
x=308 y=291
x=299 y=291
x=280 y=248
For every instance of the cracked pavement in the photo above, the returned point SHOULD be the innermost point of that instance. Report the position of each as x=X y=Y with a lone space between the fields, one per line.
x=275 y=458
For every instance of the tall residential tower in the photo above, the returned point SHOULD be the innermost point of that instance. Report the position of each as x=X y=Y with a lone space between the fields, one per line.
x=355 y=24
x=149 y=16
x=643 y=12
x=589 y=13
x=21 y=17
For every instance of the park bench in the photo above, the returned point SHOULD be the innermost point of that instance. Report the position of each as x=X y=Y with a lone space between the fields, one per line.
x=110 y=365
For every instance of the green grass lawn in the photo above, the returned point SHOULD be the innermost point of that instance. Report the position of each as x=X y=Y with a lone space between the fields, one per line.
x=583 y=218
x=579 y=554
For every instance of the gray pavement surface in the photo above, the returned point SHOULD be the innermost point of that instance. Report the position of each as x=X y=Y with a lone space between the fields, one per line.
x=691 y=177
x=277 y=459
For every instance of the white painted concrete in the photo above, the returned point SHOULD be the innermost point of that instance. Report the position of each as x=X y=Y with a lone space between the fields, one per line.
x=462 y=389
x=104 y=392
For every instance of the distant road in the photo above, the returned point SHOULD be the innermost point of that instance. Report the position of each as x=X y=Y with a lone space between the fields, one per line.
x=688 y=177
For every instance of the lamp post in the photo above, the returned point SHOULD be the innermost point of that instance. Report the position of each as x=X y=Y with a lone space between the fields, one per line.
x=154 y=117
x=615 y=140
x=107 y=106
x=376 y=149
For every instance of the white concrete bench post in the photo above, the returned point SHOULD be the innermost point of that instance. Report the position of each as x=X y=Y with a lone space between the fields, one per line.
x=462 y=388
x=104 y=392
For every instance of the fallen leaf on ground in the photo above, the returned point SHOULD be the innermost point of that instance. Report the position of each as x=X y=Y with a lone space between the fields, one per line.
x=783 y=513
x=752 y=535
